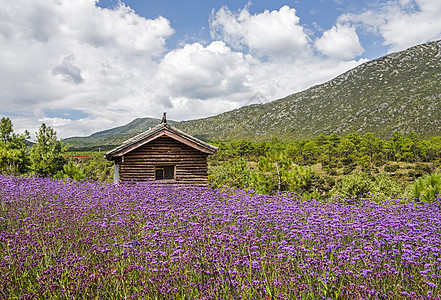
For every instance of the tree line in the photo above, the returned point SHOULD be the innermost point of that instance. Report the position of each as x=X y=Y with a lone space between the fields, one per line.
x=367 y=149
x=349 y=165
x=47 y=156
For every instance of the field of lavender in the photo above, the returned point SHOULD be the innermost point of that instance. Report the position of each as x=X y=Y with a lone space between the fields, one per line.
x=81 y=240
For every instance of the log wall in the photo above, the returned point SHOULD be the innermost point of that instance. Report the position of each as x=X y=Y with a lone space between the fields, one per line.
x=190 y=164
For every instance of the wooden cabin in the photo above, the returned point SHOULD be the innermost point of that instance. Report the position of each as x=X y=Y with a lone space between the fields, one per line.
x=162 y=153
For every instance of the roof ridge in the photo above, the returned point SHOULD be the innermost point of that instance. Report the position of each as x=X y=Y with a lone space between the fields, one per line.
x=158 y=128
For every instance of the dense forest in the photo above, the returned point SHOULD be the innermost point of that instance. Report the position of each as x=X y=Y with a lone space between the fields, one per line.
x=320 y=168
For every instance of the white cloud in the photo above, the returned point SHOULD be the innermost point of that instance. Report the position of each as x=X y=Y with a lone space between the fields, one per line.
x=111 y=66
x=402 y=24
x=272 y=33
x=62 y=54
x=199 y=72
x=340 y=42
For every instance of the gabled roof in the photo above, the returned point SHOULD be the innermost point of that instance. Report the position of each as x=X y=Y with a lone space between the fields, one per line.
x=162 y=129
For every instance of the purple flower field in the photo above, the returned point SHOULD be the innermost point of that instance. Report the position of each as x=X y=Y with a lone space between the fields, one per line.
x=81 y=240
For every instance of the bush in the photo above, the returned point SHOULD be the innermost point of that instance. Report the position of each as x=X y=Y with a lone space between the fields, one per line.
x=347 y=160
x=331 y=172
x=348 y=169
x=391 y=168
x=425 y=188
x=330 y=181
x=328 y=164
x=232 y=174
x=362 y=184
x=379 y=163
x=72 y=171
x=423 y=168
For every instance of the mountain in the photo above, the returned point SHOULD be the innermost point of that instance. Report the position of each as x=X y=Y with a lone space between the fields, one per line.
x=114 y=136
x=398 y=92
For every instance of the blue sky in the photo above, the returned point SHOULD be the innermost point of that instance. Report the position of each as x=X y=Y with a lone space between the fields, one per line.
x=83 y=66
x=190 y=19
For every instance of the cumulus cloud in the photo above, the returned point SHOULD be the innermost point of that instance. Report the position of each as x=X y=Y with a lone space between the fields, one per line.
x=272 y=33
x=73 y=54
x=403 y=23
x=199 y=72
x=340 y=42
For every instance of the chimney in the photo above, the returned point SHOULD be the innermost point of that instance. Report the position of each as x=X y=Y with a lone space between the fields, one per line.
x=164 y=119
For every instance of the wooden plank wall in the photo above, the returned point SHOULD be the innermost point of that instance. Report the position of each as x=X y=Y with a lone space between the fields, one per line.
x=190 y=164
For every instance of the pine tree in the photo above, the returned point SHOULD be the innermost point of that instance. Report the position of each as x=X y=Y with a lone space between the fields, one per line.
x=47 y=155
x=14 y=157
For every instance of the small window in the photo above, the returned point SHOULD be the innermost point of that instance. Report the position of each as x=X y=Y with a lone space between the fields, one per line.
x=164 y=172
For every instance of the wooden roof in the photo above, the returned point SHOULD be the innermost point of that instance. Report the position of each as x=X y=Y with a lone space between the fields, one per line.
x=162 y=129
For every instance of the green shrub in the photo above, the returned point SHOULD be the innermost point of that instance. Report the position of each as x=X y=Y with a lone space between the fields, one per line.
x=331 y=171
x=70 y=170
x=362 y=184
x=348 y=169
x=379 y=163
x=330 y=181
x=423 y=168
x=391 y=168
x=425 y=188
x=233 y=174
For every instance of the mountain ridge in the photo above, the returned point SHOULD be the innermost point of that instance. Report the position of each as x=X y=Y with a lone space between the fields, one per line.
x=116 y=135
x=397 y=92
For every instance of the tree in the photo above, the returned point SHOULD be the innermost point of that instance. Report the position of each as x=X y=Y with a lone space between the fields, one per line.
x=13 y=152
x=47 y=155
x=370 y=144
x=397 y=141
x=273 y=172
x=5 y=129
x=243 y=148
x=309 y=149
x=346 y=149
x=276 y=173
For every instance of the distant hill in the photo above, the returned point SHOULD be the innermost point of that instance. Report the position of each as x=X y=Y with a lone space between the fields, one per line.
x=398 y=92
x=114 y=136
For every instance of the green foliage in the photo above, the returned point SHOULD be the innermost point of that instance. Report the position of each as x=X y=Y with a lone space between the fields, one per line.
x=425 y=188
x=390 y=168
x=276 y=161
x=47 y=155
x=370 y=144
x=5 y=129
x=98 y=168
x=233 y=174
x=362 y=184
x=70 y=170
x=13 y=151
x=348 y=169
x=276 y=173
x=273 y=173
